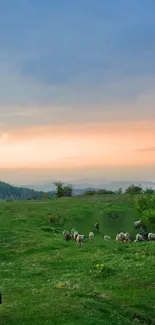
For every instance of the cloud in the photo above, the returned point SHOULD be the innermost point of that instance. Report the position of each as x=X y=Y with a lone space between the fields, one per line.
x=3 y=138
x=147 y=149
x=68 y=67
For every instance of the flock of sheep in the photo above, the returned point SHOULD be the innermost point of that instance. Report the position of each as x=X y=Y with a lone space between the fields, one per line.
x=79 y=239
x=121 y=237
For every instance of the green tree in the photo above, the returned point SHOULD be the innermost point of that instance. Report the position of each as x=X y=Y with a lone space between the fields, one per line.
x=119 y=191
x=145 y=204
x=59 y=189
x=134 y=190
x=149 y=191
x=68 y=190
x=89 y=192
x=46 y=196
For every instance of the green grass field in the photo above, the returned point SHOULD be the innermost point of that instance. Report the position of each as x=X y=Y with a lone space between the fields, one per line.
x=46 y=280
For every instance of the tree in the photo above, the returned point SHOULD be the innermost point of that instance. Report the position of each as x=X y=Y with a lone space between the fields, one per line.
x=145 y=204
x=68 y=190
x=119 y=191
x=149 y=191
x=134 y=190
x=46 y=196
x=89 y=192
x=59 y=189
x=105 y=192
x=62 y=190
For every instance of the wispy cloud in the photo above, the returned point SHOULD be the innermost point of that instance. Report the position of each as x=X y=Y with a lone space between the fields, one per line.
x=77 y=84
x=147 y=149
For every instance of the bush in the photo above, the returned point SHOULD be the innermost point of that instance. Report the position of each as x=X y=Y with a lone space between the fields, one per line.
x=62 y=190
x=145 y=204
x=56 y=220
x=134 y=190
x=98 y=192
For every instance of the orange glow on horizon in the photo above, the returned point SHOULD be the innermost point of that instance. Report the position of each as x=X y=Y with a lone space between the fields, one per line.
x=90 y=145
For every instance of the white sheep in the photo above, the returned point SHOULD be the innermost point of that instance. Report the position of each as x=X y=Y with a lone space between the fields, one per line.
x=138 y=224
x=66 y=235
x=151 y=236
x=75 y=234
x=72 y=232
x=91 y=236
x=139 y=237
x=127 y=237
x=106 y=237
x=120 y=237
x=80 y=239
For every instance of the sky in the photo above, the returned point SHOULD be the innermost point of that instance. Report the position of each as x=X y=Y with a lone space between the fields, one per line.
x=77 y=89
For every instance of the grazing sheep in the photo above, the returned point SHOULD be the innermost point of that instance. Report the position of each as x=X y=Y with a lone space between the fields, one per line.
x=128 y=234
x=80 y=239
x=139 y=237
x=91 y=236
x=106 y=237
x=120 y=237
x=75 y=234
x=127 y=237
x=67 y=235
x=151 y=236
x=138 y=224
x=72 y=232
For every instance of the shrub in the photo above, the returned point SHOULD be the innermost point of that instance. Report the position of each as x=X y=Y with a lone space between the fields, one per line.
x=56 y=220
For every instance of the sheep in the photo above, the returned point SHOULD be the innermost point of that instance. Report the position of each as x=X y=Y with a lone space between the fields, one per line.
x=67 y=235
x=106 y=237
x=139 y=238
x=91 y=236
x=75 y=235
x=120 y=237
x=127 y=237
x=72 y=232
x=138 y=224
x=151 y=236
x=80 y=239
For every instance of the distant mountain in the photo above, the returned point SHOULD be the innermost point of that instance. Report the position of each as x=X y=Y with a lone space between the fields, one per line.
x=37 y=191
x=8 y=191
x=79 y=187
x=125 y=184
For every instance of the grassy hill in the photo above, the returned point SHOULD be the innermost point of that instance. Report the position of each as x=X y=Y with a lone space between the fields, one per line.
x=45 y=280
x=9 y=192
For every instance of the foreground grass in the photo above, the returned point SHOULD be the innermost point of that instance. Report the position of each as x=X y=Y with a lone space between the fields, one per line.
x=45 y=280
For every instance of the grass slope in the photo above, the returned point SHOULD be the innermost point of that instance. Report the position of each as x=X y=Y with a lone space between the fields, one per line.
x=45 y=280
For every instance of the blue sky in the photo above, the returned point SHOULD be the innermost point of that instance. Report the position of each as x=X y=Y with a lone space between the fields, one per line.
x=76 y=52
x=77 y=63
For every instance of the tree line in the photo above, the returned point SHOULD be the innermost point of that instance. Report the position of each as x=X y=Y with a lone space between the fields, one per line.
x=9 y=192
x=67 y=190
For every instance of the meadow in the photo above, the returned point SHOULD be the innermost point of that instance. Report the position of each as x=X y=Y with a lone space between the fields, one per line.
x=46 y=280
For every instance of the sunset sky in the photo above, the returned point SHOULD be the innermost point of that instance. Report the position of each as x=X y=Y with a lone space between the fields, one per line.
x=77 y=89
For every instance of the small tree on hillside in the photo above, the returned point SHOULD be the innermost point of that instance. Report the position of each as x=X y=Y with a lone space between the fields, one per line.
x=46 y=196
x=149 y=191
x=145 y=204
x=59 y=189
x=119 y=191
x=134 y=190
x=68 y=190
x=62 y=190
